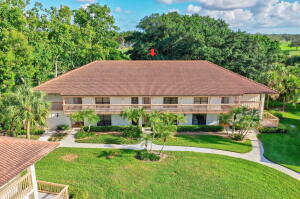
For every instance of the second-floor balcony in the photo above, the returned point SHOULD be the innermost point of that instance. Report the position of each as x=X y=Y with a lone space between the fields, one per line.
x=174 y=108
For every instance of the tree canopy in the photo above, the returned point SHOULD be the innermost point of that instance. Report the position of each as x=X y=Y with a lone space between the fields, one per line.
x=185 y=37
x=39 y=43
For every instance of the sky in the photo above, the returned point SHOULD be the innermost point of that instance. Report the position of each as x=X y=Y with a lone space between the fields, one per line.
x=254 y=16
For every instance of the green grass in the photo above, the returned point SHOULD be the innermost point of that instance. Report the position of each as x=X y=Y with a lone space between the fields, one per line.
x=180 y=175
x=284 y=45
x=284 y=149
x=108 y=139
x=208 y=141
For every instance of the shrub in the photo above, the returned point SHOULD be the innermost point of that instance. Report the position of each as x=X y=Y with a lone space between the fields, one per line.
x=33 y=132
x=132 y=132
x=145 y=155
x=83 y=134
x=110 y=154
x=62 y=127
x=79 y=194
x=278 y=114
x=272 y=130
x=57 y=137
x=105 y=128
x=237 y=137
x=205 y=128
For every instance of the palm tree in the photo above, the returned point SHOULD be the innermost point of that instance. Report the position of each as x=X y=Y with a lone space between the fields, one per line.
x=90 y=117
x=32 y=108
x=133 y=115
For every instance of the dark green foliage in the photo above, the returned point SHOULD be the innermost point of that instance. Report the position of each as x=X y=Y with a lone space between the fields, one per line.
x=145 y=155
x=32 y=132
x=62 y=127
x=204 y=128
x=278 y=114
x=272 y=130
x=132 y=132
x=83 y=134
x=184 y=37
x=109 y=154
x=237 y=137
x=106 y=128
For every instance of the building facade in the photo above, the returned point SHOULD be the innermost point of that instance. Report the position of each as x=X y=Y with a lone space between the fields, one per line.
x=200 y=90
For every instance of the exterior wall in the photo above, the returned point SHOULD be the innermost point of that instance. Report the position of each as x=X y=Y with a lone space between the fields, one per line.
x=118 y=120
x=185 y=100
x=53 y=120
x=157 y=100
x=54 y=98
x=215 y=100
x=251 y=97
x=88 y=100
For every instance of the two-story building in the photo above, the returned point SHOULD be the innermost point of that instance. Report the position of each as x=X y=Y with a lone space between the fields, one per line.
x=199 y=89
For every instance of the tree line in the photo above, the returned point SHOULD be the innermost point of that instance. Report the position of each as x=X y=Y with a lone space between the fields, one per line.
x=39 y=43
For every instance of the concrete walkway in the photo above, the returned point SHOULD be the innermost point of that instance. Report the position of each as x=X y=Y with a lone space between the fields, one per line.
x=256 y=155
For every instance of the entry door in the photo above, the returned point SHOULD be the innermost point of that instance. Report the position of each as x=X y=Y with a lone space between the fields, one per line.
x=147 y=100
x=199 y=119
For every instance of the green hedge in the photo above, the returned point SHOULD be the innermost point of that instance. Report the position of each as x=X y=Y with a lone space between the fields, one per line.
x=272 y=130
x=204 y=128
x=106 y=128
x=32 y=132
x=62 y=127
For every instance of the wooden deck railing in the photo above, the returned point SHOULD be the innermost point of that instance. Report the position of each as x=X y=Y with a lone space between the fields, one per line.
x=59 y=190
x=175 y=108
x=269 y=120
x=18 y=189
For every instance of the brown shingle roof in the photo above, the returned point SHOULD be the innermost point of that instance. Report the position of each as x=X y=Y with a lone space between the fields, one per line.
x=18 y=154
x=152 y=78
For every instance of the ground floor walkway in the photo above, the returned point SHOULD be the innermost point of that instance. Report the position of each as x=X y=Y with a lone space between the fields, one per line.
x=256 y=155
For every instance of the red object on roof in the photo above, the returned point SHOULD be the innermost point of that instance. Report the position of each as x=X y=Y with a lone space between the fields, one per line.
x=18 y=154
x=152 y=78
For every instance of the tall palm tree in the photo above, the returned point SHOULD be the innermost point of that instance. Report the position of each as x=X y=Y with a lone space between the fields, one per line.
x=133 y=114
x=32 y=107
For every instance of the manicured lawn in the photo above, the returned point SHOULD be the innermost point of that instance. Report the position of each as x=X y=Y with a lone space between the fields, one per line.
x=208 y=141
x=284 y=149
x=180 y=175
x=108 y=139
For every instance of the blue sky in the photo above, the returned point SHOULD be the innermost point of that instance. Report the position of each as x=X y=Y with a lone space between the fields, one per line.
x=264 y=16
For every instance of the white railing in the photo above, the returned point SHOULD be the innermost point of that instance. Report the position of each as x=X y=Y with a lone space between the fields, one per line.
x=175 y=108
x=269 y=120
x=18 y=189
x=59 y=190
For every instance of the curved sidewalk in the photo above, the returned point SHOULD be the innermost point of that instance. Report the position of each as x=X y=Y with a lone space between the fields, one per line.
x=256 y=155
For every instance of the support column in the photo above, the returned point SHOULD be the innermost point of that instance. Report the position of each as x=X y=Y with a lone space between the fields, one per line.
x=34 y=182
x=261 y=105
x=141 y=119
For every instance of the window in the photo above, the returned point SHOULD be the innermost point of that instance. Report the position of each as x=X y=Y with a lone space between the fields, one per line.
x=105 y=120
x=199 y=119
x=170 y=100
x=201 y=100
x=102 y=100
x=225 y=100
x=73 y=100
x=134 y=100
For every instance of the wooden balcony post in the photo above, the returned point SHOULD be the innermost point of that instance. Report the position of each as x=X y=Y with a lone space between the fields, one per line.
x=261 y=105
x=34 y=182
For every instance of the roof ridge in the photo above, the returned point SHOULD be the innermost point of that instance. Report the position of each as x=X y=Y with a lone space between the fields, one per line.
x=67 y=73
x=241 y=76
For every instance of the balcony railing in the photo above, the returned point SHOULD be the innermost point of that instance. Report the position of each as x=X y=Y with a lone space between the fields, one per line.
x=270 y=120
x=23 y=186
x=175 y=108
x=58 y=191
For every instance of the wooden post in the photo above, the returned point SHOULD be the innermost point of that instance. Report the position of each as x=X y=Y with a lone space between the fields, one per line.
x=261 y=105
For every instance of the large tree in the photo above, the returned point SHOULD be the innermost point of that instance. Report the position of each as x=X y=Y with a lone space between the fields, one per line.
x=175 y=36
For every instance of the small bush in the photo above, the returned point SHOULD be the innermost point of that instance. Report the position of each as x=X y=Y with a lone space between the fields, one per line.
x=132 y=132
x=32 y=132
x=79 y=194
x=204 y=128
x=62 y=127
x=278 y=114
x=272 y=130
x=83 y=134
x=57 y=137
x=237 y=137
x=105 y=128
x=145 y=155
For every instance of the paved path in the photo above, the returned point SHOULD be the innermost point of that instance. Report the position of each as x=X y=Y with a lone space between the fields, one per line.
x=46 y=135
x=256 y=155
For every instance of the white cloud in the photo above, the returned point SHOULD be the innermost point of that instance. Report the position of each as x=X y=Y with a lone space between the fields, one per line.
x=86 y=1
x=249 y=15
x=118 y=9
x=127 y=12
x=173 y=10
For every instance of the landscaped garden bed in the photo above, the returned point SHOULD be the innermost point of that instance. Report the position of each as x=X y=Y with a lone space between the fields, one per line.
x=180 y=175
